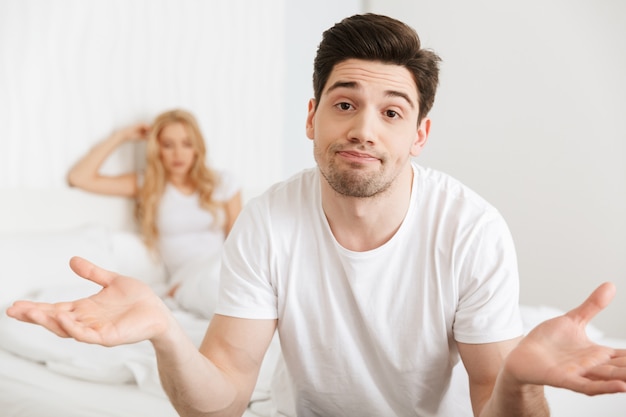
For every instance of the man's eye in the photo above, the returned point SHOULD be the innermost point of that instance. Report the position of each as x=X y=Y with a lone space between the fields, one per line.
x=391 y=114
x=344 y=106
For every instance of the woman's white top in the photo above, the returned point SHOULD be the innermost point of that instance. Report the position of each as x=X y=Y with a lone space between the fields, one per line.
x=188 y=231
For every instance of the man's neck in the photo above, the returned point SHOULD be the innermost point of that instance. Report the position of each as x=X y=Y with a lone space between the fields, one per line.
x=362 y=224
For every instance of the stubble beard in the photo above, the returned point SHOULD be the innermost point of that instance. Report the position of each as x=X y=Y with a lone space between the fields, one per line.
x=355 y=181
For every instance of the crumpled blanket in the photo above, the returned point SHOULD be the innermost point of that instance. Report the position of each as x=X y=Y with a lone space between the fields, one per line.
x=134 y=363
x=125 y=364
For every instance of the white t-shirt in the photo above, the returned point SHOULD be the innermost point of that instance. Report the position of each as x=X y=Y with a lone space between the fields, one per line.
x=373 y=333
x=188 y=231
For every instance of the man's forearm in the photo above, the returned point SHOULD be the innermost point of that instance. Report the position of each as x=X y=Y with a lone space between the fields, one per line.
x=194 y=385
x=510 y=399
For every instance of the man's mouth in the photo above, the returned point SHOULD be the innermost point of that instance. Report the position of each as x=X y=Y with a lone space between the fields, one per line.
x=358 y=156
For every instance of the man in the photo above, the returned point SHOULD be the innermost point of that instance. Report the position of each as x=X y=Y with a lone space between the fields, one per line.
x=378 y=274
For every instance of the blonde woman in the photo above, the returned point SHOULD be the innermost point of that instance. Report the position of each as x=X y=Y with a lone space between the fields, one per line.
x=184 y=208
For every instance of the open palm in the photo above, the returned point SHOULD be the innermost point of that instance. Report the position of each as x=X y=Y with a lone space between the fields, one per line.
x=558 y=352
x=124 y=311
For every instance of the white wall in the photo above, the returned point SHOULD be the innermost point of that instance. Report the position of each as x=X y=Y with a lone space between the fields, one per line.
x=72 y=71
x=530 y=113
x=306 y=20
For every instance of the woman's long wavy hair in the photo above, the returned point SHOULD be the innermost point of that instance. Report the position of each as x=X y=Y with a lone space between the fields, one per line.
x=203 y=179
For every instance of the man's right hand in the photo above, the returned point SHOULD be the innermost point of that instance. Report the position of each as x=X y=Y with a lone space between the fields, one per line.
x=124 y=311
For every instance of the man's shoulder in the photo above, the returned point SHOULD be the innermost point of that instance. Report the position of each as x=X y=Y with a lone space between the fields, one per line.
x=304 y=182
x=301 y=188
x=440 y=185
x=436 y=178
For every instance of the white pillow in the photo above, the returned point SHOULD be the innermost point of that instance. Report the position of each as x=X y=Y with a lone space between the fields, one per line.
x=33 y=260
x=199 y=283
x=133 y=259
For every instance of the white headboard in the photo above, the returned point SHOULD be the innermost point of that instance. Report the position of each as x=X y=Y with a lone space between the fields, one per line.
x=51 y=209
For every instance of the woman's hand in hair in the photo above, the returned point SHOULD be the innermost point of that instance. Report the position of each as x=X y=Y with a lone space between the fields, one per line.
x=137 y=131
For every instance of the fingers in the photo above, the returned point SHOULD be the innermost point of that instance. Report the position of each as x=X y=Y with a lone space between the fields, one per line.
x=141 y=131
x=57 y=318
x=607 y=373
x=82 y=332
x=145 y=130
x=19 y=309
x=613 y=369
x=596 y=302
x=37 y=313
x=92 y=272
x=591 y=387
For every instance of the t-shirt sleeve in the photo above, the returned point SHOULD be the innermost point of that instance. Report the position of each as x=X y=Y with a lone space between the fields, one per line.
x=246 y=290
x=488 y=307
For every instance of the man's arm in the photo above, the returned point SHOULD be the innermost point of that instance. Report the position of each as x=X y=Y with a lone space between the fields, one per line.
x=220 y=379
x=483 y=363
x=215 y=381
x=557 y=353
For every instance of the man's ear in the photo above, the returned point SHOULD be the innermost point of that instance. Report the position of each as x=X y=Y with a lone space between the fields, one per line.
x=421 y=137
x=310 y=120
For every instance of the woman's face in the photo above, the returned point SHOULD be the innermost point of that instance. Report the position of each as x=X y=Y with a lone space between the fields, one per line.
x=176 y=150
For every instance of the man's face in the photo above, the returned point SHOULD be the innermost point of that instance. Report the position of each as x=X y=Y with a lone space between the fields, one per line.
x=364 y=129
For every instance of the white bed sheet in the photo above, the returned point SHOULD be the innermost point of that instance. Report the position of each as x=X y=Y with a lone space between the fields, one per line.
x=32 y=389
x=29 y=389
x=42 y=375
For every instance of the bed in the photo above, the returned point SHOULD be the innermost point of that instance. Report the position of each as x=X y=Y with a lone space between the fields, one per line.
x=43 y=375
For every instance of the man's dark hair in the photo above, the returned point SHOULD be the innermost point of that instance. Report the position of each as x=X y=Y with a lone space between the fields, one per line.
x=380 y=38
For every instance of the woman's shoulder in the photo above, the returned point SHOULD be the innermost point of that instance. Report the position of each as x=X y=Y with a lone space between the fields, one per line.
x=228 y=185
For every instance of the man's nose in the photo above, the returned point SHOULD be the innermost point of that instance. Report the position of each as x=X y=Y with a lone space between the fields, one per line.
x=364 y=126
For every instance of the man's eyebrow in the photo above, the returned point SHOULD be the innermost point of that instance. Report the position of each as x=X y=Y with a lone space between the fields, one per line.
x=394 y=93
x=342 y=84
x=355 y=85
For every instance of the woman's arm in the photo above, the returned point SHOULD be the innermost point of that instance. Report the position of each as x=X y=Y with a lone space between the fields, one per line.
x=85 y=174
x=232 y=208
